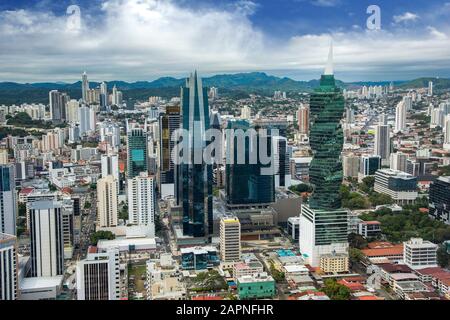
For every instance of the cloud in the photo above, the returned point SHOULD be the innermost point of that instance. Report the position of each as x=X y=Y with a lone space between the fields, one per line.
x=144 y=39
x=326 y=3
x=406 y=17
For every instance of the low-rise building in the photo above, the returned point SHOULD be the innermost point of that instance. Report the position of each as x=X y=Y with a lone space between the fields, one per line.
x=256 y=286
x=400 y=186
x=419 y=253
x=199 y=258
x=334 y=263
x=369 y=229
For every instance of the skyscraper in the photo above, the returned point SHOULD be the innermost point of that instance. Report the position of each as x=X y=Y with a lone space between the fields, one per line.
x=110 y=165
x=326 y=140
x=244 y=182
x=9 y=286
x=439 y=207
x=303 y=119
x=382 y=146
x=398 y=161
x=72 y=111
x=230 y=239
x=400 y=117
x=323 y=224
x=193 y=187
x=103 y=95
x=107 y=213
x=168 y=123
x=57 y=105
x=84 y=87
x=136 y=150
x=430 y=88
x=87 y=119
x=142 y=202
x=47 y=240
x=8 y=203
x=280 y=156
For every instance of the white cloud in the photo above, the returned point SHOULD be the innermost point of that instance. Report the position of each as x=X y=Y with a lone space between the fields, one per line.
x=145 y=39
x=407 y=16
x=326 y=3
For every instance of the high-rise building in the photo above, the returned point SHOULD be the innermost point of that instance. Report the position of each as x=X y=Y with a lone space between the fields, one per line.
x=246 y=113
x=87 y=119
x=142 y=202
x=103 y=95
x=193 y=185
x=110 y=133
x=369 y=165
x=98 y=276
x=230 y=239
x=323 y=224
x=382 y=146
x=398 y=161
x=72 y=113
x=430 y=88
x=84 y=87
x=447 y=132
x=350 y=165
x=349 y=115
x=439 y=200
x=245 y=183
x=110 y=165
x=400 y=117
x=326 y=140
x=57 y=105
x=47 y=239
x=280 y=156
x=168 y=123
x=136 y=151
x=303 y=119
x=9 y=286
x=8 y=202
x=107 y=213
x=117 y=97
x=4 y=156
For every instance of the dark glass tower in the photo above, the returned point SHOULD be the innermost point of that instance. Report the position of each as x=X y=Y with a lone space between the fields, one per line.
x=194 y=179
x=137 y=151
x=168 y=123
x=244 y=182
x=326 y=139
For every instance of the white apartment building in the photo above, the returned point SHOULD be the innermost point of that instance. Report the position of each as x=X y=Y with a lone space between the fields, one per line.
x=8 y=267
x=142 y=202
x=98 y=276
x=107 y=202
x=47 y=239
x=419 y=253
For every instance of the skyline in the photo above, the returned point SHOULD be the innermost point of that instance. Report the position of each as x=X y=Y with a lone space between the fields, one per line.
x=168 y=38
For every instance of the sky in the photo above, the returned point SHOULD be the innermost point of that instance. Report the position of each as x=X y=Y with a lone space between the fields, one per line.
x=138 y=40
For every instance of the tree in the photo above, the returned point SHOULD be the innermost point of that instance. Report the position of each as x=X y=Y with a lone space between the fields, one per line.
x=336 y=291
x=87 y=205
x=101 y=235
x=443 y=257
x=355 y=255
x=357 y=241
x=377 y=199
x=123 y=214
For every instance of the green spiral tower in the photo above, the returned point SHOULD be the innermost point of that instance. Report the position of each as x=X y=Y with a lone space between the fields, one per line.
x=327 y=106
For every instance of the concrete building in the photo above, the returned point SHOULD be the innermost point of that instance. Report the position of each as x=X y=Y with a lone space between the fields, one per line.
x=98 y=276
x=9 y=286
x=107 y=212
x=382 y=145
x=334 y=263
x=400 y=186
x=419 y=253
x=47 y=239
x=230 y=239
x=350 y=166
x=142 y=202
x=163 y=281
x=256 y=286
x=303 y=119
x=398 y=161
x=8 y=199
x=322 y=232
x=400 y=117
x=293 y=228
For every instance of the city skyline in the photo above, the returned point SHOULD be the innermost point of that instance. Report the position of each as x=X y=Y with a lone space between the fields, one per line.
x=237 y=36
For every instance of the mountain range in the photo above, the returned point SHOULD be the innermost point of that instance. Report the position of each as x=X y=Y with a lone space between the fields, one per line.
x=240 y=84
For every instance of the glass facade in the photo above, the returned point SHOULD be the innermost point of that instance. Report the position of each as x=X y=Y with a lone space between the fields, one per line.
x=137 y=152
x=326 y=139
x=440 y=199
x=193 y=189
x=244 y=182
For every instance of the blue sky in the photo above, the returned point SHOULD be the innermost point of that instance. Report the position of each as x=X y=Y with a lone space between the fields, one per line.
x=144 y=39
